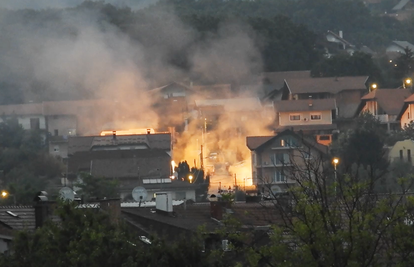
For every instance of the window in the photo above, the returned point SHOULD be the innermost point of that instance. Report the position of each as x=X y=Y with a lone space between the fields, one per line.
x=56 y=149
x=401 y=155
x=288 y=142
x=279 y=176
x=324 y=137
x=409 y=155
x=56 y=132
x=280 y=159
x=294 y=117
x=315 y=117
x=34 y=124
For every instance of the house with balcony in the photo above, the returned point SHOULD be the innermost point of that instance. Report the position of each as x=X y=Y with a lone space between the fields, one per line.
x=274 y=158
x=405 y=116
x=313 y=117
x=347 y=92
x=385 y=105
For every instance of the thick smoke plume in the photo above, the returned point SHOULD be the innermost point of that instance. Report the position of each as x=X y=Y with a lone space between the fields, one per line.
x=76 y=52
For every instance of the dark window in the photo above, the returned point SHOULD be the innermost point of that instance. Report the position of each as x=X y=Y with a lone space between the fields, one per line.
x=401 y=155
x=409 y=155
x=34 y=124
x=325 y=137
x=56 y=132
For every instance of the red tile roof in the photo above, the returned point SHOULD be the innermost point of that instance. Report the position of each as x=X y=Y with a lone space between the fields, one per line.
x=409 y=99
x=390 y=100
x=332 y=85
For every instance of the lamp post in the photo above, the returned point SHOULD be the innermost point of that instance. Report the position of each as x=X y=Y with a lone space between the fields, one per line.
x=373 y=87
x=5 y=194
x=408 y=83
x=335 y=162
x=190 y=178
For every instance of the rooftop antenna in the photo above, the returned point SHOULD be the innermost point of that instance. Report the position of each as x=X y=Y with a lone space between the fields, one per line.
x=139 y=194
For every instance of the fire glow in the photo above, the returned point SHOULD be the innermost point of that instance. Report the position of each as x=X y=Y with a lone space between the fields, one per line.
x=128 y=132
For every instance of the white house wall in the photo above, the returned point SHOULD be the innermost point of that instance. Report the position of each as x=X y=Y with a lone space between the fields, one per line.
x=24 y=121
x=305 y=118
x=65 y=125
x=407 y=117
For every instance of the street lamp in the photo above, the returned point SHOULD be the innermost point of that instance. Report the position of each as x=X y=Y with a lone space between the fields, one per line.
x=335 y=162
x=373 y=87
x=5 y=194
x=408 y=83
x=190 y=178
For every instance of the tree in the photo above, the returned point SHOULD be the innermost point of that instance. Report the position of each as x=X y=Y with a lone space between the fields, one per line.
x=97 y=187
x=87 y=237
x=404 y=65
x=363 y=145
x=344 y=64
x=26 y=167
x=331 y=218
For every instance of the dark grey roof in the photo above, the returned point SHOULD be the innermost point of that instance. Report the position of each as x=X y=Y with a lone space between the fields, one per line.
x=24 y=219
x=121 y=163
x=400 y=5
x=192 y=216
x=305 y=105
x=152 y=141
x=326 y=84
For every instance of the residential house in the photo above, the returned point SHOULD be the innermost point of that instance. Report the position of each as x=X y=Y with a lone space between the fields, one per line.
x=133 y=160
x=273 y=82
x=397 y=47
x=30 y=116
x=14 y=218
x=402 y=151
x=347 y=92
x=59 y=119
x=172 y=103
x=273 y=156
x=403 y=10
x=405 y=116
x=340 y=44
x=385 y=105
x=184 y=221
x=312 y=117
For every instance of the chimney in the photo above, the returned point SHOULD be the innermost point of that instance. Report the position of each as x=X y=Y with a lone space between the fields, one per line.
x=341 y=34
x=216 y=210
x=113 y=207
x=114 y=135
x=163 y=202
x=310 y=101
x=43 y=208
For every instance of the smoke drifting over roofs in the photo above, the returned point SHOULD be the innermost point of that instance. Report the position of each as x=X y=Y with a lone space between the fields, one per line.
x=76 y=50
